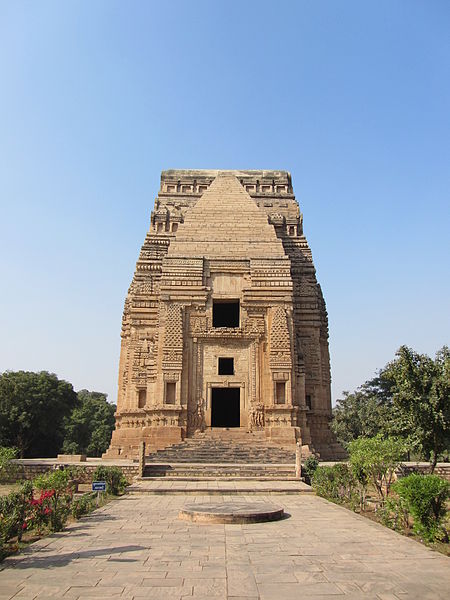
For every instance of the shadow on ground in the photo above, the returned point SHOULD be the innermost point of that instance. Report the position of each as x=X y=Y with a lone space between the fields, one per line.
x=61 y=560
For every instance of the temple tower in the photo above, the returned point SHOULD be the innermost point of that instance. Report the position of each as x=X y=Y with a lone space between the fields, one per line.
x=224 y=324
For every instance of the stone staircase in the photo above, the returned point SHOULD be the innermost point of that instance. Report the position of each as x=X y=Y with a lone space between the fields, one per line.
x=223 y=454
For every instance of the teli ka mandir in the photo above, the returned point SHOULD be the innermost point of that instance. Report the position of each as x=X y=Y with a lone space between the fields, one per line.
x=224 y=327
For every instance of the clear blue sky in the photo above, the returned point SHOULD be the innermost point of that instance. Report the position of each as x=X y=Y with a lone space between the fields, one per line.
x=96 y=98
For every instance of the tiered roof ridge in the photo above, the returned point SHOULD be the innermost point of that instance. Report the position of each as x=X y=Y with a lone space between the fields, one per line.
x=226 y=223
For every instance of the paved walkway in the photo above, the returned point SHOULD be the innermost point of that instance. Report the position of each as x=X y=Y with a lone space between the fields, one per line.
x=136 y=547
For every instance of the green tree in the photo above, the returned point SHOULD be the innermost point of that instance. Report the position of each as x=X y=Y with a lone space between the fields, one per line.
x=88 y=429
x=33 y=407
x=365 y=412
x=421 y=400
x=7 y=467
x=375 y=459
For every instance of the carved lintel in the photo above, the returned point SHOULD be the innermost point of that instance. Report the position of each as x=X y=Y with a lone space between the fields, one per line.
x=171 y=376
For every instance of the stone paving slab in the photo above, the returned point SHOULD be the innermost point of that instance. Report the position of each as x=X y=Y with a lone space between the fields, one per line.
x=218 y=487
x=136 y=547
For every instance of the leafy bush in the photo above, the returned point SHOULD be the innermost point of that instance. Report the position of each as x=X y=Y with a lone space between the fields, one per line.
x=13 y=512
x=309 y=468
x=323 y=482
x=395 y=514
x=425 y=497
x=59 y=496
x=375 y=459
x=83 y=505
x=7 y=468
x=336 y=483
x=115 y=479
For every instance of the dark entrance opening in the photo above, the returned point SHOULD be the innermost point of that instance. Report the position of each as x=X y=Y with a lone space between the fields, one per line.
x=225 y=407
x=226 y=314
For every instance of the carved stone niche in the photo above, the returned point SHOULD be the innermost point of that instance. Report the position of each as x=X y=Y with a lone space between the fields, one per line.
x=254 y=324
x=198 y=323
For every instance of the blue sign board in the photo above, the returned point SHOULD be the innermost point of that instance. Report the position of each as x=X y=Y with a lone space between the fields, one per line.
x=99 y=486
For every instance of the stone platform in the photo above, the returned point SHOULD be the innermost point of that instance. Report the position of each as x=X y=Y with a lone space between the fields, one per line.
x=217 y=487
x=231 y=512
x=136 y=547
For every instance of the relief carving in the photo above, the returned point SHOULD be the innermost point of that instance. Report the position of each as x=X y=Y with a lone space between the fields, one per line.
x=173 y=337
x=256 y=415
x=280 y=344
x=196 y=417
x=198 y=324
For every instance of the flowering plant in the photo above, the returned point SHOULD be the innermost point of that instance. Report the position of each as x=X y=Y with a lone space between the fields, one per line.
x=40 y=511
x=56 y=494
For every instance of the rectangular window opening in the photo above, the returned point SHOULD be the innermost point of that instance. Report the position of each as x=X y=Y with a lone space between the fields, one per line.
x=142 y=398
x=280 y=392
x=308 y=401
x=226 y=314
x=226 y=366
x=170 y=392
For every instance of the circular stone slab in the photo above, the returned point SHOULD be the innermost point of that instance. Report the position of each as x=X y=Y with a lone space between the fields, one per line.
x=231 y=512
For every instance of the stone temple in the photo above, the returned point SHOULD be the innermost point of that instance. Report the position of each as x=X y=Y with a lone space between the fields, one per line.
x=224 y=324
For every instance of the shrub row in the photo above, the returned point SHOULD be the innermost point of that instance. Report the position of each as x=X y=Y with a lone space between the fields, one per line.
x=416 y=502
x=46 y=503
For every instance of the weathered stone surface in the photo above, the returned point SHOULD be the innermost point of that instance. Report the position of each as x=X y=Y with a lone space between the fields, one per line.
x=68 y=458
x=224 y=323
x=135 y=547
x=231 y=512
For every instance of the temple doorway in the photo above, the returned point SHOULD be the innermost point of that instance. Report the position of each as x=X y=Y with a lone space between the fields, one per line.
x=225 y=407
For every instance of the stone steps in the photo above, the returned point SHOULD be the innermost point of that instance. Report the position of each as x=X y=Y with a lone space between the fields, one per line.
x=216 y=450
x=214 y=478
x=215 y=471
x=223 y=454
x=218 y=487
x=208 y=457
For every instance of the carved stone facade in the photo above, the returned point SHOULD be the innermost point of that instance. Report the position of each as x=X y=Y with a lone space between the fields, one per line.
x=227 y=243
